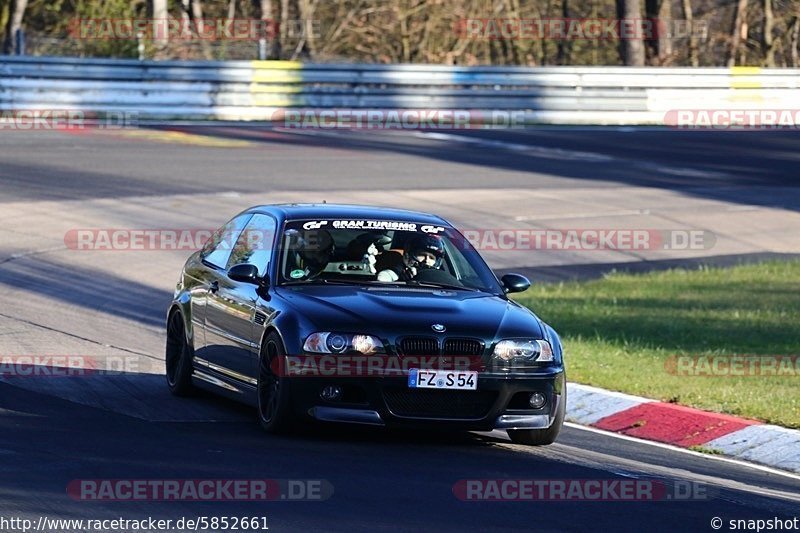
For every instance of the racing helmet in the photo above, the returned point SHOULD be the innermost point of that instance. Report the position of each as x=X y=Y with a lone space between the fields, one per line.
x=421 y=247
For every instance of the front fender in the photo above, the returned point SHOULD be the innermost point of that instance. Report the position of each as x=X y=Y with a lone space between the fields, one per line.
x=288 y=329
x=182 y=303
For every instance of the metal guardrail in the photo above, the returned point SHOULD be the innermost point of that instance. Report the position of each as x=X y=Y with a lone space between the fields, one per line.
x=256 y=90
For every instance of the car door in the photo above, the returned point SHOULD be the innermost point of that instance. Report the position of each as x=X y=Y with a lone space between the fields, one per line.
x=212 y=262
x=230 y=311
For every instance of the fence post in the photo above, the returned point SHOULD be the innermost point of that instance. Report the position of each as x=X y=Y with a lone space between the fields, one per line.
x=262 y=49
x=20 y=45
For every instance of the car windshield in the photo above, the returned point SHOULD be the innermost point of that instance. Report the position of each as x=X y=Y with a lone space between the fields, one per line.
x=380 y=252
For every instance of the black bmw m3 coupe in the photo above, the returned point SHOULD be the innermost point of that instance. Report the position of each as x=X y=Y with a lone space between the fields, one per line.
x=366 y=315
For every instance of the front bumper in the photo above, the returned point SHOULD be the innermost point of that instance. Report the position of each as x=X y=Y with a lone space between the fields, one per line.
x=498 y=403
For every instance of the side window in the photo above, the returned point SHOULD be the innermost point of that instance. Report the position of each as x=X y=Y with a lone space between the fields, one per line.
x=218 y=248
x=254 y=245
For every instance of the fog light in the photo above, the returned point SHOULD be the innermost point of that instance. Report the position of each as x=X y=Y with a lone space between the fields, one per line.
x=538 y=400
x=331 y=393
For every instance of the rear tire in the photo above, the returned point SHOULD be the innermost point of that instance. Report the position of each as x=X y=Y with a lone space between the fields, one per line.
x=274 y=405
x=542 y=437
x=178 y=357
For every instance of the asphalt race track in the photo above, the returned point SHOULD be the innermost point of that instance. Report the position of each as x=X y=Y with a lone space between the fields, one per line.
x=109 y=305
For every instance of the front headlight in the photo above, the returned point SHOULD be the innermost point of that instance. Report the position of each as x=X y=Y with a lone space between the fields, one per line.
x=520 y=352
x=328 y=342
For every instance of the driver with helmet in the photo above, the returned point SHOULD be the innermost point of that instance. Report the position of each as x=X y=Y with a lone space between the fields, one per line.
x=422 y=252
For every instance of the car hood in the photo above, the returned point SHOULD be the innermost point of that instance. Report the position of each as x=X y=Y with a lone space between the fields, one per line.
x=391 y=312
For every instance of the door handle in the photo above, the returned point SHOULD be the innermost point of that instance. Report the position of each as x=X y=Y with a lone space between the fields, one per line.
x=213 y=286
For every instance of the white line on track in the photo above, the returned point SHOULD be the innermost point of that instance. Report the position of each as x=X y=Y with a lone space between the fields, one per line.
x=678 y=449
x=501 y=434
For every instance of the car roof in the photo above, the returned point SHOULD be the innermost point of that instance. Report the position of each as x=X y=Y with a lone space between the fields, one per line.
x=345 y=211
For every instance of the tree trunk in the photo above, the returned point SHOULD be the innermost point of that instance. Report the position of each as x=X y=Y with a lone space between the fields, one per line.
x=563 y=45
x=186 y=10
x=513 y=53
x=306 y=16
x=159 y=12
x=694 y=58
x=264 y=12
x=16 y=13
x=767 y=40
x=284 y=23
x=659 y=15
x=197 y=17
x=736 y=31
x=631 y=48
x=794 y=42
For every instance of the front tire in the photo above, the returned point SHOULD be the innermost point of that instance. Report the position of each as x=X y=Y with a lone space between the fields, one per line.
x=542 y=437
x=274 y=406
x=178 y=357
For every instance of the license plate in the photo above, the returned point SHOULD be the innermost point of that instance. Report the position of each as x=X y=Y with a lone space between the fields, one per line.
x=442 y=379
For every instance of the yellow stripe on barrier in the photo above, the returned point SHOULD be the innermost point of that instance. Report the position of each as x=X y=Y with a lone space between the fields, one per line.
x=276 y=71
x=746 y=78
x=280 y=65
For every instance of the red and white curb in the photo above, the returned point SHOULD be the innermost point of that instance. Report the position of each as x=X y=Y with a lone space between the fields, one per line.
x=685 y=427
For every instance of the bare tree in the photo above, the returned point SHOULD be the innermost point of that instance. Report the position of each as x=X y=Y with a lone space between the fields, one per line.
x=197 y=15
x=688 y=16
x=563 y=48
x=306 y=9
x=264 y=13
x=14 y=25
x=192 y=16
x=631 y=48
x=736 y=31
x=767 y=39
x=659 y=13
x=284 y=24
x=158 y=11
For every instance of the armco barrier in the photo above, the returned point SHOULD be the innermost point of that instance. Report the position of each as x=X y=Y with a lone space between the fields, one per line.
x=255 y=90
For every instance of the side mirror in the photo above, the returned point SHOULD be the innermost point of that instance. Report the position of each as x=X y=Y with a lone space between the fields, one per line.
x=245 y=273
x=515 y=283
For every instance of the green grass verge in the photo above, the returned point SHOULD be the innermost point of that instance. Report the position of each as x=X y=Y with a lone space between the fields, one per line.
x=622 y=331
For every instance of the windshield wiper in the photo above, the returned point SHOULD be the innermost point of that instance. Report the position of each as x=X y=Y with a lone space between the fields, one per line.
x=306 y=282
x=439 y=285
x=326 y=281
x=388 y=284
